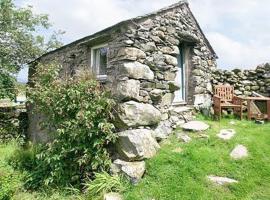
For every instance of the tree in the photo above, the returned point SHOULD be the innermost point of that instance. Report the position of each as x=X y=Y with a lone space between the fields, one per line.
x=20 y=42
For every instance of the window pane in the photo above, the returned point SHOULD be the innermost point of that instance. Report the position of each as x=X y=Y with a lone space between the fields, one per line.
x=102 y=61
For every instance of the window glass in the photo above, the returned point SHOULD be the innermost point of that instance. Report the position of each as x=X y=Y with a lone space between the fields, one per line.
x=99 y=62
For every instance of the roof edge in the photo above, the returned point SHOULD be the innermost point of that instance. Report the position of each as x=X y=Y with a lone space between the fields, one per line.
x=175 y=5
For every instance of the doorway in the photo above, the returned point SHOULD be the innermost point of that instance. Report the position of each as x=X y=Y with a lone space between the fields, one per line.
x=180 y=80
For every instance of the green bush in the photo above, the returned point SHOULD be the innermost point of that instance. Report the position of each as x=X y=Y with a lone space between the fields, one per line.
x=77 y=112
x=7 y=86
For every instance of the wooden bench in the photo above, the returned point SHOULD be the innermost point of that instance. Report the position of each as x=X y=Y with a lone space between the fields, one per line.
x=224 y=98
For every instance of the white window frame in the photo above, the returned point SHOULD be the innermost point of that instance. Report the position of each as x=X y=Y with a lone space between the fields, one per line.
x=100 y=77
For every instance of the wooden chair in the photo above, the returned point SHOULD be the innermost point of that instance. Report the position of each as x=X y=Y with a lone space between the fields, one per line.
x=224 y=98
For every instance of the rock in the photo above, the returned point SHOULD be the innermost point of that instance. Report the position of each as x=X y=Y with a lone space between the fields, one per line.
x=203 y=136
x=156 y=95
x=136 y=144
x=130 y=53
x=195 y=126
x=177 y=150
x=128 y=89
x=136 y=70
x=163 y=130
x=226 y=134
x=133 y=114
x=171 y=60
x=202 y=101
x=132 y=170
x=170 y=76
x=129 y=42
x=112 y=196
x=239 y=152
x=183 y=137
x=149 y=47
x=221 y=180
x=167 y=99
x=173 y=86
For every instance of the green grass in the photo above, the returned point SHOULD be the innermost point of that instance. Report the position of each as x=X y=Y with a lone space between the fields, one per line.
x=11 y=180
x=181 y=176
x=175 y=176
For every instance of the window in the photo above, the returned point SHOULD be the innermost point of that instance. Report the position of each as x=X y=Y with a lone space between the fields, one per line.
x=99 y=61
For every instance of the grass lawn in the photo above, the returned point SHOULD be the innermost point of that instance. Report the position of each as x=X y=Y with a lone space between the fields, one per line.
x=179 y=176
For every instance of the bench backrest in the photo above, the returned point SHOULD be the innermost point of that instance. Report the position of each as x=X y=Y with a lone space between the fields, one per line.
x=225 y=92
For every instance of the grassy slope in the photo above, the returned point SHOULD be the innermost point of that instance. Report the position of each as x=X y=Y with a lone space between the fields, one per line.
x=175 y=176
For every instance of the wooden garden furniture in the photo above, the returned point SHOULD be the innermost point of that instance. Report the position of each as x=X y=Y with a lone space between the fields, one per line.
x=254 y=112
x=224 y=98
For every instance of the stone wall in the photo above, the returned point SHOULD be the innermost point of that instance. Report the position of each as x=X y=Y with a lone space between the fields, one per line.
x=245 y=81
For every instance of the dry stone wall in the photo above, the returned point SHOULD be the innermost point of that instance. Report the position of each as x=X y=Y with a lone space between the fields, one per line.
x=246 y=81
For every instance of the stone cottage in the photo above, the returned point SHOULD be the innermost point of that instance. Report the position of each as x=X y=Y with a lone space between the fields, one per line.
x=157 y=67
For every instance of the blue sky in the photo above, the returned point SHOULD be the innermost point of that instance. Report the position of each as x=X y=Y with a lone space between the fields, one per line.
x=237 y=29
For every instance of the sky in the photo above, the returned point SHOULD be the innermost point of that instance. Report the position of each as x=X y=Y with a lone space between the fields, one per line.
x=238 y=30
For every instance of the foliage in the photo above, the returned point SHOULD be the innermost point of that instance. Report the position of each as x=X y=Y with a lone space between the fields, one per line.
x=102 y=184
x=7 y=86
x=77 y=114
x=182 y=175
x=9 y=183
x=10 y=180
x=19 y=41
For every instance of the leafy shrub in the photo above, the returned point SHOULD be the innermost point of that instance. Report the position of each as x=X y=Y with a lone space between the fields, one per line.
x=7 y=86
x=102 y=184
x=77 y=112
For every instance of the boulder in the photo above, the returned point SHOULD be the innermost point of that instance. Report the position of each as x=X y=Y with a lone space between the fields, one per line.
x=127 y=89
x=134 y=114
x=136 y=70
x=163 y=130
x=132 y=170
x=112 y=196
x=221 y=180
x=239 y=152
x=195 y=126
x=130 y=53
x=136 y=144
x=226 y=134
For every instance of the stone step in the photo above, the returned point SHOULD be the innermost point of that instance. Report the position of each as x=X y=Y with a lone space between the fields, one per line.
x=180 y=114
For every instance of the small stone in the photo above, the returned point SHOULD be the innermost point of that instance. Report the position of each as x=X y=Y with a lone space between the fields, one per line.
x=163 y=130
x=183 y=137
x=195 y=126
x=177 y=150
x=239 y=152
x=226 y=134
x=133 y=170
x=203 y=136
x=221 y=180
x=112 y=196
x=232 y=122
